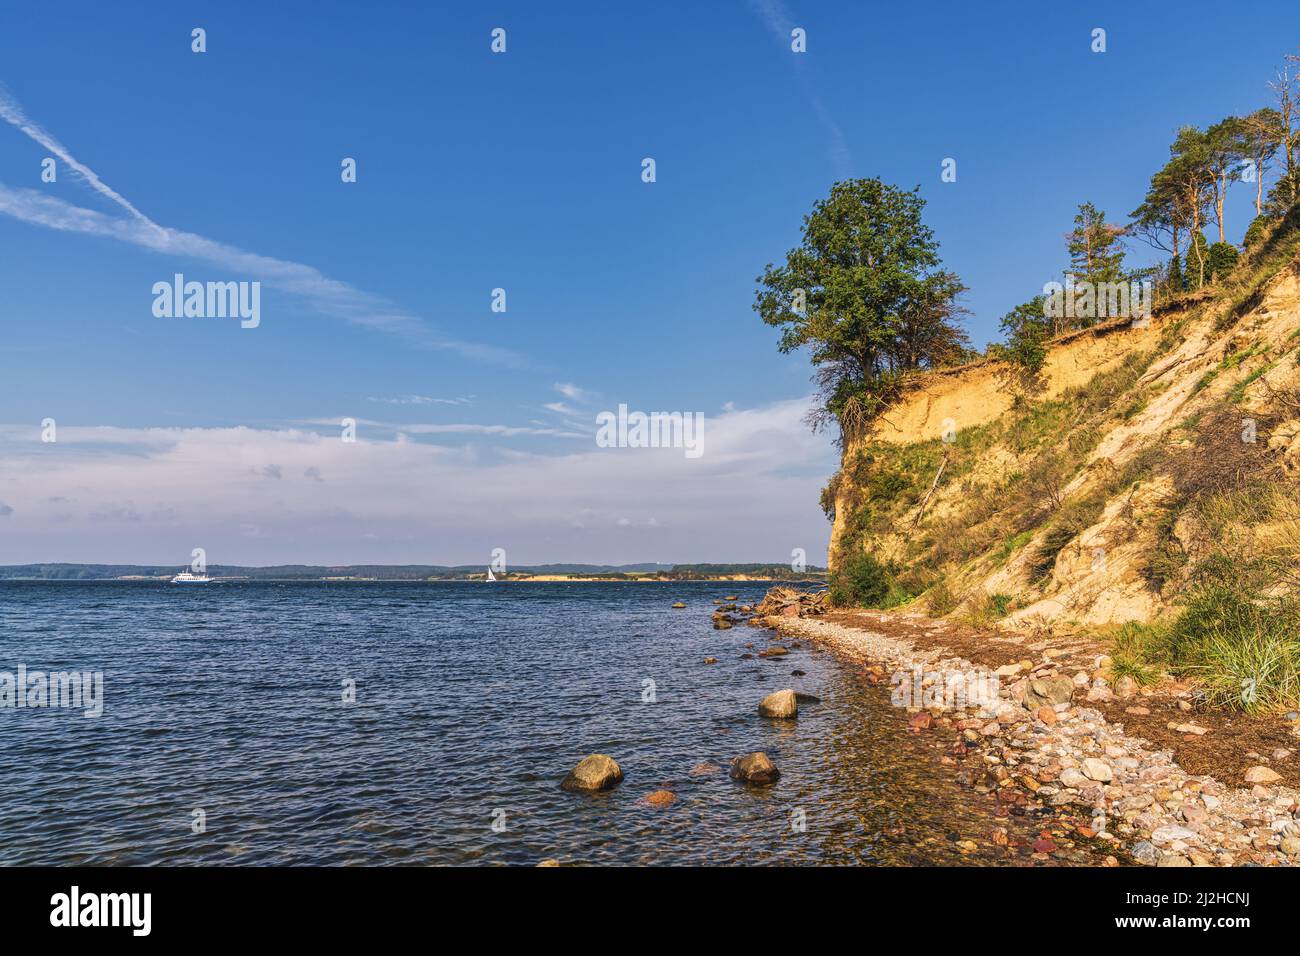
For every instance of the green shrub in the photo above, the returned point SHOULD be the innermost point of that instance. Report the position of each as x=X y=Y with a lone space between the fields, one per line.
x=1138 y=651
x=1222 y=259
x=1240 y=646
x=1255 y=231
x=988 y=608
x=940 y=600
x=862 y=580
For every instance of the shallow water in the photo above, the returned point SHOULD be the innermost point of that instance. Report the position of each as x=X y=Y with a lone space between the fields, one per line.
x=472 y=702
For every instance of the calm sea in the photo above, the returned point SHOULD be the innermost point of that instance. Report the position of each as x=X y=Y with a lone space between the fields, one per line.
x=224 y=714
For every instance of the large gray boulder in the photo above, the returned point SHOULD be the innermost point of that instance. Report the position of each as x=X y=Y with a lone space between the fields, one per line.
x=1048 y=692
x=784 y=703
x=596 y=772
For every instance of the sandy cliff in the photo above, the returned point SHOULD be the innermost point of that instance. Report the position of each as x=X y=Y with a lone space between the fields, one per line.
x=1088 y=497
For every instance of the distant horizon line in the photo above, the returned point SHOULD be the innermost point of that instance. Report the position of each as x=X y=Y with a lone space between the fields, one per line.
x=553 y=565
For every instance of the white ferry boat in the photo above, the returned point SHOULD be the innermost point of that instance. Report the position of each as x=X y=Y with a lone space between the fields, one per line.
x=185 y=577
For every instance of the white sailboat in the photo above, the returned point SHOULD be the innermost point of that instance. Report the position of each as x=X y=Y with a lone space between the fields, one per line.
x=491 y=576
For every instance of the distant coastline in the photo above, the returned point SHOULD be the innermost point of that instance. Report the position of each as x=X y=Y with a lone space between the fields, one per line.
x=389 y=574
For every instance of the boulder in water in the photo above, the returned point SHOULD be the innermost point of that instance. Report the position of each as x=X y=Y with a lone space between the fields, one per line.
x=781 y=704
x=596 y=772
x=754 y=768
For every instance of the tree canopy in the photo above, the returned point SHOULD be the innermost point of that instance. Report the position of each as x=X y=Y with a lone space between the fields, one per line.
x=865 y=292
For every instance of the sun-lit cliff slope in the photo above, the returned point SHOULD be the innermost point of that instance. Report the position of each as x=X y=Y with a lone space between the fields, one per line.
x=1145 y=453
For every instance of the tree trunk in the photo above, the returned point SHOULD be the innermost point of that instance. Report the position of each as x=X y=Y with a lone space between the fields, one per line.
x=1221 y=187
x=1259 y=185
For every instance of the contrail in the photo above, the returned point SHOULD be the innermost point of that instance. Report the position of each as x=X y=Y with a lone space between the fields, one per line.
x=777 y=20
x=13 y=114
x=328 y=295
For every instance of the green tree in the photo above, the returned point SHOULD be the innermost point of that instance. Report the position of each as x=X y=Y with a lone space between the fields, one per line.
x=1222 y=258
x=1096 y=253
x=1225 y=147
x=865 y=293
x=1255 y=231
x=1163 y=218
x=1027 y=329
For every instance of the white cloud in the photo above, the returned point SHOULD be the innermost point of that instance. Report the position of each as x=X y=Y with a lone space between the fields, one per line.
x=154 y=494
x=421 y=400
x=572 y=392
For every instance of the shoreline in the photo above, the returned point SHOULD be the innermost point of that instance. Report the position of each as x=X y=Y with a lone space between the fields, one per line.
x=1064 y=754
x=538 y=579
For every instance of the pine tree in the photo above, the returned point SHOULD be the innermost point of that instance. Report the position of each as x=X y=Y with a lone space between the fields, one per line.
x=1223 y=257
x=1096 y=254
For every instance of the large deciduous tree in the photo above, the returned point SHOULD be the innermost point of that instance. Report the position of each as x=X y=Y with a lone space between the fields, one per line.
x=865 y=292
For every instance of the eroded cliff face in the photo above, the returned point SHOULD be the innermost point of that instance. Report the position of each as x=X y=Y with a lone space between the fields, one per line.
x=1085 y=500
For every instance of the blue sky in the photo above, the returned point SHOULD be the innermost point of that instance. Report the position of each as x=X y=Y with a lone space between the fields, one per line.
x=519 y=171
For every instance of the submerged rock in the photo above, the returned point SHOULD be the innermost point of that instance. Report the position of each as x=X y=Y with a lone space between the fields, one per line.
x=754 y=768
x=783 y=703
x=596 y=772
x=660 y=798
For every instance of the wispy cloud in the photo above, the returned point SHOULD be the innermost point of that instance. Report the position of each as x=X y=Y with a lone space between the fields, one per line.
x=326 y=295
x=572 y=392
x=421 y=400
x=455 y=428
x=779 y=23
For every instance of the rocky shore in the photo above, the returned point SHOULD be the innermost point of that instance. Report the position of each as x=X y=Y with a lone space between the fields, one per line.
x=1035 y=739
